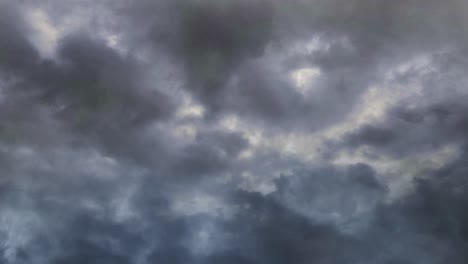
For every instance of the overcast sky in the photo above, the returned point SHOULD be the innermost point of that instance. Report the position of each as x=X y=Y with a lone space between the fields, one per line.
x=234 y=132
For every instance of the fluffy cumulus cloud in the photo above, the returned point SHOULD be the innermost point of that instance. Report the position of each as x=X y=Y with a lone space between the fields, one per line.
x=233 y=131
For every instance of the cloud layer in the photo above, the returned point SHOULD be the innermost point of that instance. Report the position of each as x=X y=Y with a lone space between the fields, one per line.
x=233 y=131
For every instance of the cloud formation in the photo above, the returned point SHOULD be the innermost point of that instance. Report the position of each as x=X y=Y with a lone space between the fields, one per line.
x=233 y=131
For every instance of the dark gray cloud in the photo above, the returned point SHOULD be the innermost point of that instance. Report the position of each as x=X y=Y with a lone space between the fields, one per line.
x=212 y=38
x=233 y=131
x=17 y=54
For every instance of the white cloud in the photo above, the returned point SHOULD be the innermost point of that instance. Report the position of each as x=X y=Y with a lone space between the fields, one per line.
x=46 y=35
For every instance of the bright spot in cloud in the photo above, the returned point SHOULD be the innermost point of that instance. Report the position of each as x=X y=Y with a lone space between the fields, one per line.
x=190 y=109
x=197 y=202
x=46 y=35
x=303 y=78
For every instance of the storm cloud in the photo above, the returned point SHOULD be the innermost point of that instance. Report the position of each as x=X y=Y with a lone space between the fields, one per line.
x=233 y=131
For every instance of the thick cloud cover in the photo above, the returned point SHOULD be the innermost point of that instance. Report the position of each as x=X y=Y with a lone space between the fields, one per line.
x=234 y=131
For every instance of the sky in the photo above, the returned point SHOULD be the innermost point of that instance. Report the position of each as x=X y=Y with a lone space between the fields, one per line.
x=233 y=132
